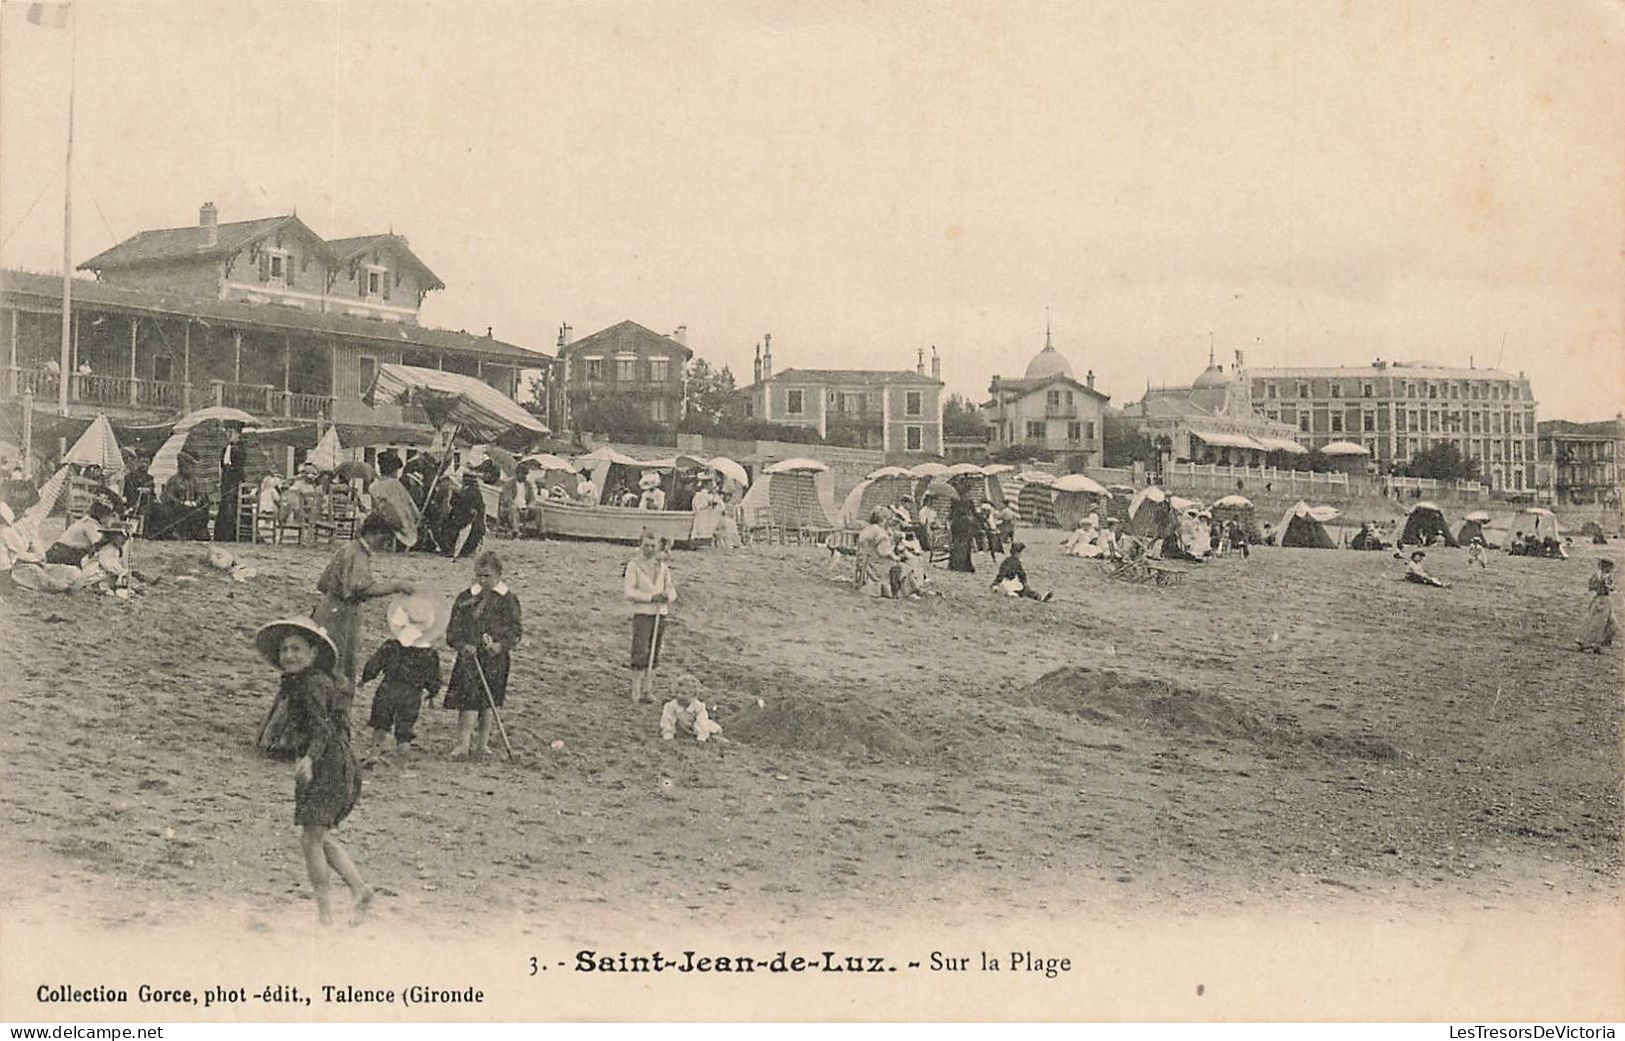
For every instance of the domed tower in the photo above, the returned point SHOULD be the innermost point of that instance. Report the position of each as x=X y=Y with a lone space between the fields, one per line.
x=1048 y=362
x=1212 y=377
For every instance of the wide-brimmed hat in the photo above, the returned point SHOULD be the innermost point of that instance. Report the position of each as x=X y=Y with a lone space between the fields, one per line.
x=416 y=621
x=649 y=481
x=268 y=641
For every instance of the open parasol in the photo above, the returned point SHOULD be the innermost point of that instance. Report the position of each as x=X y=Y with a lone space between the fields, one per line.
x=478 y=411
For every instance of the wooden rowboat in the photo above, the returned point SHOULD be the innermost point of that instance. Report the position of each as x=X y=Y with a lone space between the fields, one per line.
x=612 y=523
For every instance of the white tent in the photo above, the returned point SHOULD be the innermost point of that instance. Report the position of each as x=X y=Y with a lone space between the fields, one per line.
x=327 y=454
x=872 y=492
x=792 y=465
x=929 y=470
x=98 y=447
x=798 y=498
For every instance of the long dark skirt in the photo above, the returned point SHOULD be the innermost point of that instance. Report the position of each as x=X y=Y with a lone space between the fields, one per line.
x=960 y=548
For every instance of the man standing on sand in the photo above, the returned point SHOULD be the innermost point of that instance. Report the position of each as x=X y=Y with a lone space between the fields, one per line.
x=231 y=478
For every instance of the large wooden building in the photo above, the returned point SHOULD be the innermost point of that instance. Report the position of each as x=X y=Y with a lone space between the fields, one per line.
x=262 y=315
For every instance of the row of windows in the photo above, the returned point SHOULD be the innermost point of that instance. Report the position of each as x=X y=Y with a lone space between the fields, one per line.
x=1475 y=390
x=1038 y=430
x=1452 y=422
x=630 y=370
x=795 y=403
x=278 y=267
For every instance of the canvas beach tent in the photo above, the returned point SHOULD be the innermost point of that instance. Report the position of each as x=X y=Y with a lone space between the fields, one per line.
x=1304 y=526
x=792 y=497
x=1426 y=524
x=1036 y=501
x=1475 y=526
x=1238 y=508
x=1075 y=497
x=611 y=469
x=1544 y=522
x=885 y=490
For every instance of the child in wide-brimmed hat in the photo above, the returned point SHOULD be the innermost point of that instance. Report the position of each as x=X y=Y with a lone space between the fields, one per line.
x=654 y=496
x=326 y=775
x=410 y=667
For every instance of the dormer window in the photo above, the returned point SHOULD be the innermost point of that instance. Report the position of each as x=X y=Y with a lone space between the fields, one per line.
x=375 y=281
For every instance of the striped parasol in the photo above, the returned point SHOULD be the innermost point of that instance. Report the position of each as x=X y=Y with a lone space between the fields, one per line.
x=326 y=455
x=98 y=447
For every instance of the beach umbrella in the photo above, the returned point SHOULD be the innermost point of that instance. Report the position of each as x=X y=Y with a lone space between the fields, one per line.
x=994 y=469
x=1234 y=500
x=792 y=465
x=476 y=410
x=1426 y=505
x=215 y=413
x=1479 y=516
x=1035 y=477
x=965 y=470
x=548 y=461
x=1079 y=483
x=98 y=447
x=730 y=470
x=889 y=471
x=354 y=469
x=929 y=470
x=325 y=456
x=1344 y=448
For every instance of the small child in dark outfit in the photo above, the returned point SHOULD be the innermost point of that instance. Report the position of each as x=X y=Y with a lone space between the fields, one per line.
x=411 y=670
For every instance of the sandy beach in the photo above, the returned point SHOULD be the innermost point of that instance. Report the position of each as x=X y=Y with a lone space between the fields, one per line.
x=1297 y=726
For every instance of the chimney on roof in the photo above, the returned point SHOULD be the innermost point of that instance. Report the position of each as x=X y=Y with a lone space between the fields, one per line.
x=758 y=366
x=919 y=361
x=767 y=356
x=681 y=335
x=936 y=364
x=569 y=334
x=1089 y=379
x=208 y=218
x=1239 y=360
x=562 y=327
x=488 y=332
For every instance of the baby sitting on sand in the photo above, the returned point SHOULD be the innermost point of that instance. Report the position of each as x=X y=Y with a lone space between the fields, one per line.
x=687 y=713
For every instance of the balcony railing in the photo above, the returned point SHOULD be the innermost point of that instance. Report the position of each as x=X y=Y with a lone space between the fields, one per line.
x=301 y=406
x=160 y=396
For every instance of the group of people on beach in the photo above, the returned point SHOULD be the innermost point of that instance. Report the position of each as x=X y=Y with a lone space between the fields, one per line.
x=319 y=659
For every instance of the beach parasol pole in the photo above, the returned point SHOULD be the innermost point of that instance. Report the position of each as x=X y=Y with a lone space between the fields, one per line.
x=492 y=704
x=649 y=667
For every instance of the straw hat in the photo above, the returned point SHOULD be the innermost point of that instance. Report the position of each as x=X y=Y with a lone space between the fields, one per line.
x=269 y=641
x=649 y=481
x=415 y=620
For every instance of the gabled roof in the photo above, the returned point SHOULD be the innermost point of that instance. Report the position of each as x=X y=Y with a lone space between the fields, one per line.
x=168 y=245
x=854 y=377
x=1008 y=388
x=625 y=336
x=345 y=250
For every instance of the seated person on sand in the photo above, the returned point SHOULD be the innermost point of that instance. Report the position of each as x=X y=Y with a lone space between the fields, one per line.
x=183 y=505
x=908 y=577
x=875 y=555
x=1414 y=572
x=1012 y=577
x=1085 y=540
x=1366 y=538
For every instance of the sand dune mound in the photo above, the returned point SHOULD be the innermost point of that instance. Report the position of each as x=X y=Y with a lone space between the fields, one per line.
x=846 y=726
x=1103 y=696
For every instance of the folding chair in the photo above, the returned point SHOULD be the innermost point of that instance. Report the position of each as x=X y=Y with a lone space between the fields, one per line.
x=248 y=501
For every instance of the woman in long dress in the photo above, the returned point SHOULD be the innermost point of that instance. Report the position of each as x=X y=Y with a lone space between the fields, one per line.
x=1597 y=627
x=961 y=536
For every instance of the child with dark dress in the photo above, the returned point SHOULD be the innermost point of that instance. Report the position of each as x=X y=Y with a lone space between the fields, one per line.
x=326 y=775
x=483 y=630
x=410 y=667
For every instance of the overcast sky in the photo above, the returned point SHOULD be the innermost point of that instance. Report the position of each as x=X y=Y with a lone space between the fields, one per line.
x=1319 y=183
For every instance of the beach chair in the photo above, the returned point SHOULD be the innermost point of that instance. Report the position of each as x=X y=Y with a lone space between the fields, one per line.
x=763 y=527
x=337 y=517
x=248 y=501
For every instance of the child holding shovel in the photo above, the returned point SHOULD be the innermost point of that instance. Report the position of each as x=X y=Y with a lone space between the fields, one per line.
x=483 y=630
x=650 y=589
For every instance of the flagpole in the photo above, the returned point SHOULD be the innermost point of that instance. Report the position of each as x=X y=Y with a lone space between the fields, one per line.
x=67 y=224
